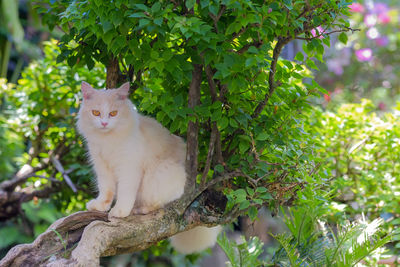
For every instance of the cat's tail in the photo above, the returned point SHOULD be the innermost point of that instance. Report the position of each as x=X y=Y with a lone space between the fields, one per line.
x=196 y=239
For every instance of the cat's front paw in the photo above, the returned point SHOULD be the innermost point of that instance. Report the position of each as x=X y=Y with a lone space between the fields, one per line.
x=143 y=210
x=119 y=212
x=97 y=205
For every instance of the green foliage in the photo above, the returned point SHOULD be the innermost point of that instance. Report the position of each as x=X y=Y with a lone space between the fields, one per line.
x=362 y=154
x=40 y=112
x=11 y=145
x=13 y=41
x=311 y=242
x=258 y=102
x=9 y=17
x=245 y=254
x=157 y=44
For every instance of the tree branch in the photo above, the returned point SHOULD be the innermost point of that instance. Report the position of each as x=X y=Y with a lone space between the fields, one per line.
x=211 y=83
x=271 y=77
x=246 y=47
x=59 y=167
x=216 y=18
x=89 y=235
x=210 y=153
x=20 y=177
x=193 y=128
x=215 y=138
x=10 y=202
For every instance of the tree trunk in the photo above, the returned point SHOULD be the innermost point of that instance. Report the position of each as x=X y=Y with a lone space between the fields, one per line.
x=112 y=73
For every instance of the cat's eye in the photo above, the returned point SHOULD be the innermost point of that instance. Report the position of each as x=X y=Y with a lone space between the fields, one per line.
x=113 y=113
x=95 y=112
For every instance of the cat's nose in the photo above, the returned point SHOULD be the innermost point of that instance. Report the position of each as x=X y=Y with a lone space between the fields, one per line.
x=104 y=124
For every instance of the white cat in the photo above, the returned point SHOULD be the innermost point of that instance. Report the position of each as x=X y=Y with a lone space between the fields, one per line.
x=137 y=161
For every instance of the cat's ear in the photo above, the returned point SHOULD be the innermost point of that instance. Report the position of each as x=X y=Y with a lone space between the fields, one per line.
x=87 y=90
x=123 y=91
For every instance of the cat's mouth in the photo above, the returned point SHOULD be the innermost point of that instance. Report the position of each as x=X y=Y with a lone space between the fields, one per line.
x=105 y=129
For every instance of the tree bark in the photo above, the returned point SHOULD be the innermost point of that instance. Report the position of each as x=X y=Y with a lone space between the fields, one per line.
x=193 y=128
x=83 y=237
x=112 y=73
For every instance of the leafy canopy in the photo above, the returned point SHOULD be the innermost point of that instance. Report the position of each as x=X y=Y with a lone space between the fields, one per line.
x=251 y=106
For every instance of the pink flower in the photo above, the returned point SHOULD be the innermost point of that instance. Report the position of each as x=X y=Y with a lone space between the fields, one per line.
x=384 y=18
x=356 y=7
x=364 y=54
x=382 y=41
x=319 y=34
x=370 y=20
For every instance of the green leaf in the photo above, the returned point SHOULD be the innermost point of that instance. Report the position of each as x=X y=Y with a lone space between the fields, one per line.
x=219 y=168
x=261 y=190
x=262 y=136
x=190 y=4
x=143 y=22
x=266 y=196
x=243 y=146
x=142 y=7
x=137 y=15
x=343 y=37
x=158 y=21
x=89 y=62
x=222 y=123
x=107 y=25
x=253 y=213
x=299 y=56
x=156 y=7
x=311 y=64
x=395 y=221
x=154 y=54
x=297 y=76
x=108 y=37
x=240 y=195
x=319 y=87
x=213 y=9
x=233 y=123
x=244 y=204
x=250 y=191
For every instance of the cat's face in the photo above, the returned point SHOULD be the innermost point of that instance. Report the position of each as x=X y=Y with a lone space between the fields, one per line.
x=104 y=110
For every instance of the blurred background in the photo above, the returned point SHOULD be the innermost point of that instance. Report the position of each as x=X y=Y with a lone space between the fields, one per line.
x=356 y=119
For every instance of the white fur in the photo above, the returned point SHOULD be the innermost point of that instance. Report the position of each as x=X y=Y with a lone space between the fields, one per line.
x=137 y=161
x=196 y=239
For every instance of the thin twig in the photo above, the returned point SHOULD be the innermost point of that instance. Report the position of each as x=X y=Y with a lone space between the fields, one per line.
x=210 y=154
x=327 y=33
x=214 y=97
x=271 y=78
x=223 y=177
x=216 y=18
x=211 y=83
x=57 y=164
x=316 y=167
